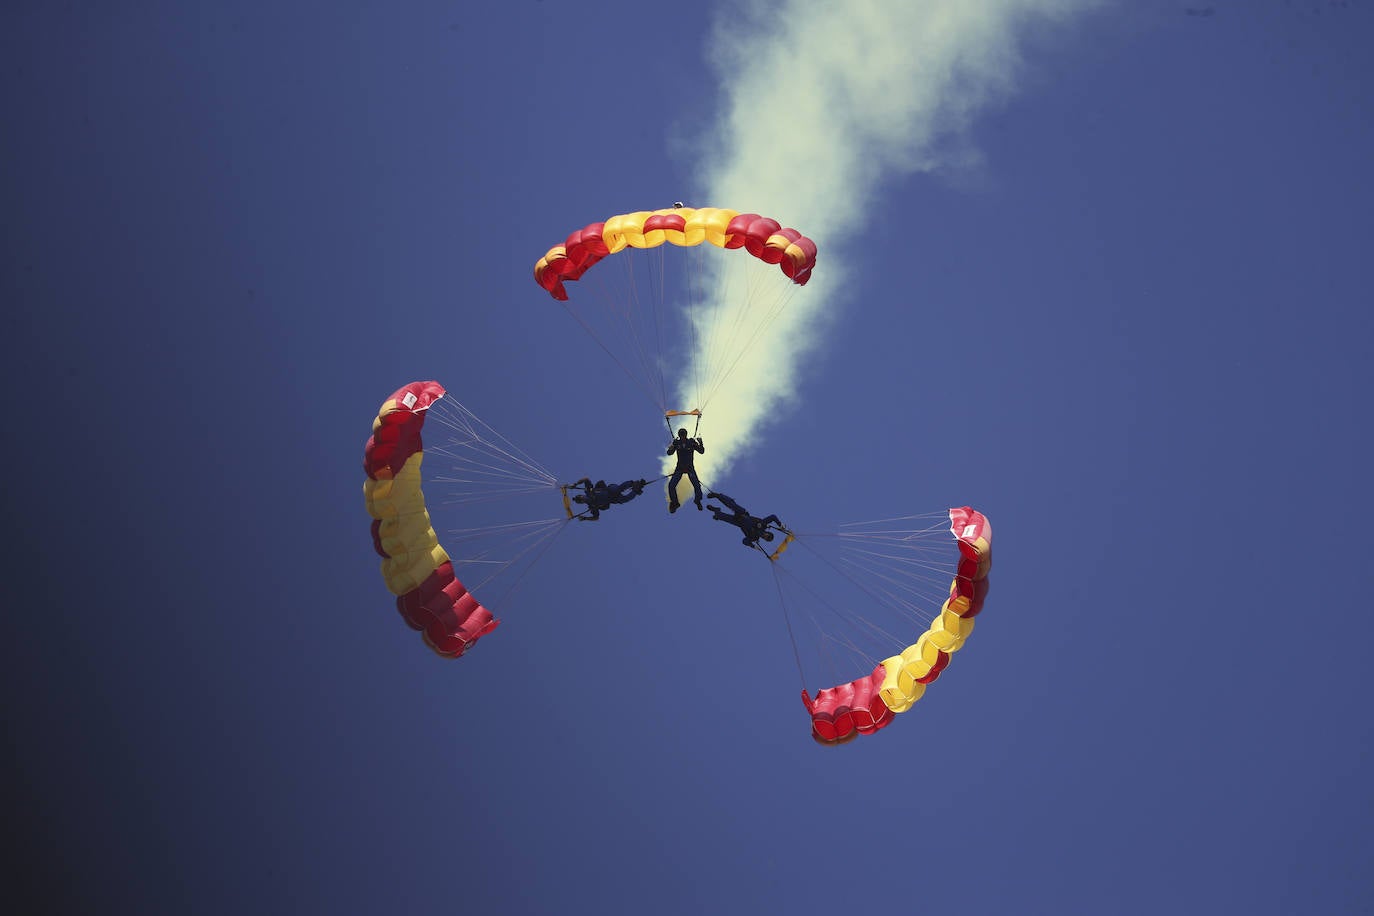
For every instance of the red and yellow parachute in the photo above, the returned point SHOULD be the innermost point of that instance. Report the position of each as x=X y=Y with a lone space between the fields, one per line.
x=674 y=298
x=764 y=238
x=864 y=705
x=416 y=569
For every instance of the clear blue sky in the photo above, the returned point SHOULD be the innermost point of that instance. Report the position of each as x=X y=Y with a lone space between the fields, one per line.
x=1125 y=311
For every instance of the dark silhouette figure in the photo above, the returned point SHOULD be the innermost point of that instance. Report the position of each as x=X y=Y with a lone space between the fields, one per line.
x=752 y=526
x=685 y=449
x=601 y=496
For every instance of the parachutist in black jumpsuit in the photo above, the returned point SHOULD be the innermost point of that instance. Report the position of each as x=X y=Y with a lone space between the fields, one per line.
x=685 y=449
x=752 y=526
x=599 y=497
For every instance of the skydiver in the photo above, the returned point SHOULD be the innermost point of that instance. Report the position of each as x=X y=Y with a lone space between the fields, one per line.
x=685 y=449
x=599 y=496
x=752 y=526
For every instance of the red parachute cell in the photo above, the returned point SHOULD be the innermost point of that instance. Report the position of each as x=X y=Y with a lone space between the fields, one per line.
x=839 y=714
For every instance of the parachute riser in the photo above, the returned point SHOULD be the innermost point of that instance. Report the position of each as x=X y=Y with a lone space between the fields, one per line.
x=683 y=413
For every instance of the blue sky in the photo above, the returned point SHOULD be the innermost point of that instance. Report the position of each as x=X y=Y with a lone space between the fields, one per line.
x=1104 y=276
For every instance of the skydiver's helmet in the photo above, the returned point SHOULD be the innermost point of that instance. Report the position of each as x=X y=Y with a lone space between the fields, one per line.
x=579 y=498
x=682 y=433
x=601 y=485
x=768 y=535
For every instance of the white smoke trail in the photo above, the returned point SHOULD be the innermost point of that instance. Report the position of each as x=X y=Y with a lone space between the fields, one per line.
x=823 y=102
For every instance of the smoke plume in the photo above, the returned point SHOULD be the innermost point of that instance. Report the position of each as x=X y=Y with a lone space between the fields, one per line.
x=822 y=104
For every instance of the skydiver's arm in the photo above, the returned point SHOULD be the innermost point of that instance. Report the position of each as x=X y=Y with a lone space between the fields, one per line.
x=699 y=445
x=672 y=447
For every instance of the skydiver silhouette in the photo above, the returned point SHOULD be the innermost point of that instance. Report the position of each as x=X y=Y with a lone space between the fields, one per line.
x=600 y=496
x=685 y=449
x=752 y=526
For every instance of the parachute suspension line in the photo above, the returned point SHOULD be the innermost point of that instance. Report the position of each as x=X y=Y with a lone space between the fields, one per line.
x=545 y=537
x=713 y=353
x=829 y=638
x=492 y=440
x=527 y=537
x=524 y=530
x=482 y=464
x=908 y=567
x=787 y=619
x=696 y=283
x=867 y=624
x=901 y=590
x=639 y=383
x=729 y=324
x=899 y=595
x=648 y=364
x=444 y=499
x=714 y=284
x=881 y=585
x=660 y=302
x=916 y=556
x=727 y=356
x=772 y=315
x=942 y=518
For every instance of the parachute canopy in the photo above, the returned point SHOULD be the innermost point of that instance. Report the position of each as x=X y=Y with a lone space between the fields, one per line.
x=759 y=236
x=868 y=703
x=416 y=569
x=681 y=299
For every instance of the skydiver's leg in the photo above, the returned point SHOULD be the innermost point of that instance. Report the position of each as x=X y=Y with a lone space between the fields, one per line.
x=734 y=506
x=672 y=490
x=696 y=487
